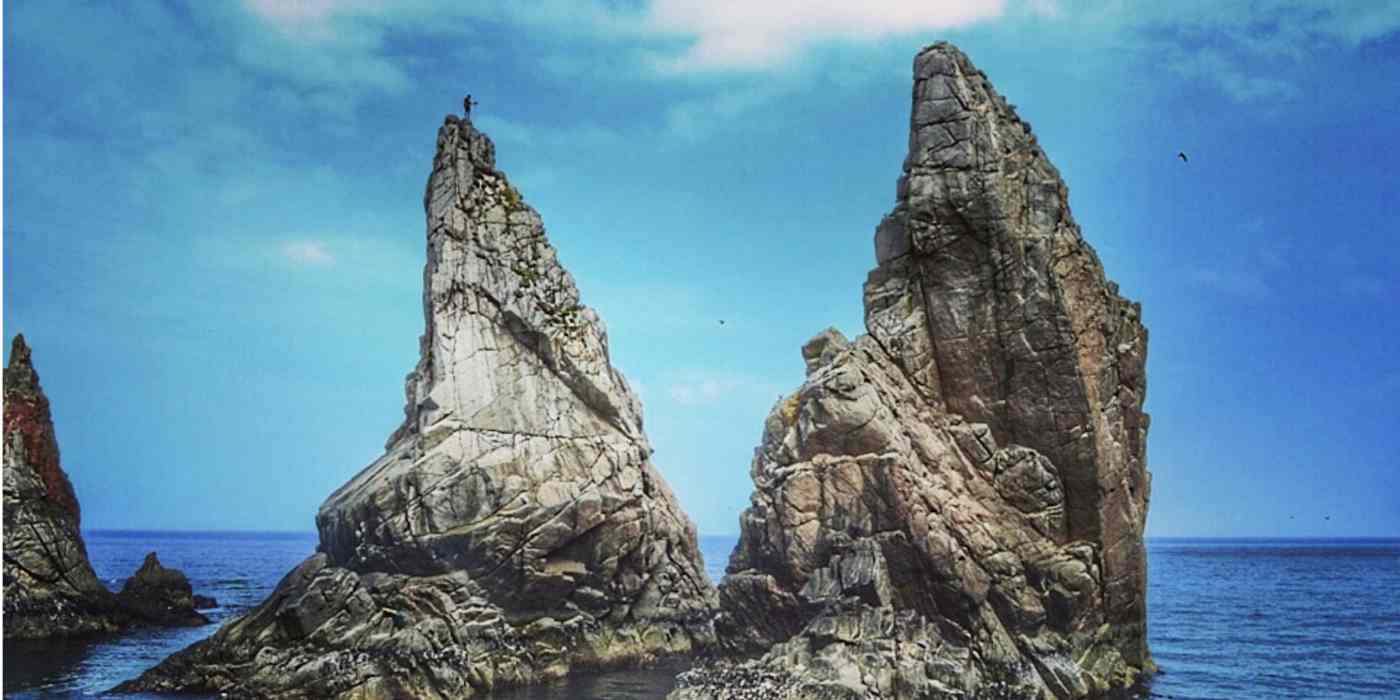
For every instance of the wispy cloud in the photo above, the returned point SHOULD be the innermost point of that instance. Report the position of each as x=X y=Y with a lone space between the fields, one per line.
x=1229 y=74
x=747 y=35
x=702 y=387
x=586 y=134
x=1236 y=283
x=308 y=253
x=1238 y=47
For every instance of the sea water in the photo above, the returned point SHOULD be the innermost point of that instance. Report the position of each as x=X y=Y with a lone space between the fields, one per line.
x=1228 y=619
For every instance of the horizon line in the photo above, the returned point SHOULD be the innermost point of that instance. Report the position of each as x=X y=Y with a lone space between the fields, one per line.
x=736 y=535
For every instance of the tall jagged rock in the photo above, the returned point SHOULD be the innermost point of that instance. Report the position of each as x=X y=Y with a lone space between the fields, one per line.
x=954 y=503
x=50 y=587
x=514 y=529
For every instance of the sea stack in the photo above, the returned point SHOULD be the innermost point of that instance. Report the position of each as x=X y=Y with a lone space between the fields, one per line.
x=514 y=530
x=164 y=595
x=50 y=587
x=953 y=504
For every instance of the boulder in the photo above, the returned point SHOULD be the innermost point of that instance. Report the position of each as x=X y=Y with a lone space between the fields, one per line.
x=163 y=596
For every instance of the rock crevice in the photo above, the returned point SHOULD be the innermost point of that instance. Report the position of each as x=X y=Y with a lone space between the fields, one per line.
x=515 y=528
x=953 y=504
x=51 y=589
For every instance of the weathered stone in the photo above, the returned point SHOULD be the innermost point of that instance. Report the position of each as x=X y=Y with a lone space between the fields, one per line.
x=515 y=528
x=50 y=587
x=163 y=596
x=953 y=505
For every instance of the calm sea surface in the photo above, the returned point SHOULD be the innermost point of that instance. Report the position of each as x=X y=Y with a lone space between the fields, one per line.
x=1230 y=619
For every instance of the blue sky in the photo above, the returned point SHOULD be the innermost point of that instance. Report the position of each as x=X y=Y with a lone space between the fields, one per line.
x=213 y=231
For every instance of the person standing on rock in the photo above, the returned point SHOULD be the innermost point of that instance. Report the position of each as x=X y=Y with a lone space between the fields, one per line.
x=467 y=103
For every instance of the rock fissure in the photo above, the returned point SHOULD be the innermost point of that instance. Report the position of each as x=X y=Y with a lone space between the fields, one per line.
x=990 y=532
x=531 y=538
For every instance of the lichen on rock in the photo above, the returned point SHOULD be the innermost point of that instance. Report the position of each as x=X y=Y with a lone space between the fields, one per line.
x=953 y=504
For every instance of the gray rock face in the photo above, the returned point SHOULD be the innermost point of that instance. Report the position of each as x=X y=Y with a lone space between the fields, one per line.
x=515 y=528
x=953 y=505
x=50 y=588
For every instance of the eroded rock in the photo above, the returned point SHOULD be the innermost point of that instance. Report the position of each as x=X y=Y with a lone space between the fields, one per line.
x=163 y=596
x=953 y=505
x=515 y=528
x=51 y=589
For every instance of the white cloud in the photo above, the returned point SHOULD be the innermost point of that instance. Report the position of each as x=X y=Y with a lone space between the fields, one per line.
x=699 y=35
x=749 y=35
x=309 y=253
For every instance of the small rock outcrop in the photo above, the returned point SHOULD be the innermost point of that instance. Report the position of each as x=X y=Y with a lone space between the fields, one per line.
x=953 y=504
x=51 y=589
x=515 y=528
x=163 y=596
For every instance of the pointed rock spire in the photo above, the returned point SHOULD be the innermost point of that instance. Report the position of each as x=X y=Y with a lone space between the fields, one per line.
x=954 y=503
x=50 y=587
x=515 y=528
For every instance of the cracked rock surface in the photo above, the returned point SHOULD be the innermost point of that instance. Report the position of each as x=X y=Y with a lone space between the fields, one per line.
x=953 y=504
x=514 y=529
x=50 y=587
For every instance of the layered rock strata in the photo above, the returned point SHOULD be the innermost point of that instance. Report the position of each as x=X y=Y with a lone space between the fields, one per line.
x=515 y=528
x=953 y=504
x=51 y=589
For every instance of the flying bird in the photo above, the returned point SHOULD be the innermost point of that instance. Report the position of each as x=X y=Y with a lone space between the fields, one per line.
x=1182 y=156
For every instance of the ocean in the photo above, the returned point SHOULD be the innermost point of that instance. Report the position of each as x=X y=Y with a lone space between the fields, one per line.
x=1228 y=619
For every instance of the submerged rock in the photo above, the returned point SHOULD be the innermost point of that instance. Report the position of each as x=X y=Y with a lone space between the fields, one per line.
x=163 y=596
x=953 y=505
x=515 y=528
x=51 y=589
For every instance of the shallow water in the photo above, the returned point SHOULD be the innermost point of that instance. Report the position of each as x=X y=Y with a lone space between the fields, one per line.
x=1229 y=619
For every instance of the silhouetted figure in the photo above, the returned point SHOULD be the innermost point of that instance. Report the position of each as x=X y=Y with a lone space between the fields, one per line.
x=467 y=104
x=1182 y=156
